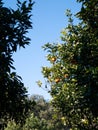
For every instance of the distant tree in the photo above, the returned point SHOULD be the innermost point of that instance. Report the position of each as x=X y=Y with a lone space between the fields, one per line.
x=45 y=112
x=74 y=70
x=14 y=25
x=41 y=117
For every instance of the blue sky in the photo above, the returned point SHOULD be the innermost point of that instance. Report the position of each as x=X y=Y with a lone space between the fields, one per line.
x=48 y=21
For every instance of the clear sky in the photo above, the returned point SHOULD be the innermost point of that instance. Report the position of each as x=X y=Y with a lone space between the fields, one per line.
x=48 y=21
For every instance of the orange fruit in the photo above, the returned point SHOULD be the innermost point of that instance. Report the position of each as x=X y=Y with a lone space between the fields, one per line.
x=66 y=75
x=53 y=59
x=57 y=80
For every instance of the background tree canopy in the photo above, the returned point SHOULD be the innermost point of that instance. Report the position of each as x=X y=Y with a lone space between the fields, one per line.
x=14 y=25
x=41 y=117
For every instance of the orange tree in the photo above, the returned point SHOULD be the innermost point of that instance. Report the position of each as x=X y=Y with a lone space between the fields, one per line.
x=73 y=72
x=14 y=25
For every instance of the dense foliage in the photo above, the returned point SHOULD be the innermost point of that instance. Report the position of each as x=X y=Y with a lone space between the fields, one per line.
x=41 y=117
x=74 y=69
x=14 y=25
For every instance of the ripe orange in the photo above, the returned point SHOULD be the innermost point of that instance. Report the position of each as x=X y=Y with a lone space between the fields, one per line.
x=66 y=75
x=53 y=59
x=57 y=80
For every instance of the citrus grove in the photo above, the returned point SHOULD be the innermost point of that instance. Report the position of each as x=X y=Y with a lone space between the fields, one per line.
x=73 y=71
x=71 y=78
